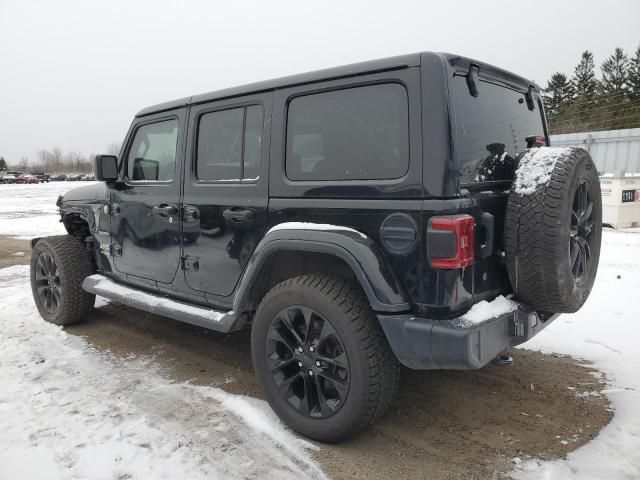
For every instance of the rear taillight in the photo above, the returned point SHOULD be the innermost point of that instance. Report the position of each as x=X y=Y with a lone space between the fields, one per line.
x=534 y=141
x=450 y=241
x=541 y=140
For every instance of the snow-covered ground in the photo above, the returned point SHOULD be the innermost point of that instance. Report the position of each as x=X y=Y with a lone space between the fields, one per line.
x=27 y=211
x=606 y=331
x=68 y=411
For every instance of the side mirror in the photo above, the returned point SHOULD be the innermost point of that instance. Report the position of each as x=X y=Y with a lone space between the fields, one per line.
x=106 y=168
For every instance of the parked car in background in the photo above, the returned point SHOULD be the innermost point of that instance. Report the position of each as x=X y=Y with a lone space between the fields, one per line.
x=58 y=178
x=8 y=178
x=11 y=176
x=27 y=178
x=43 y=177
x=88 y=178
x=74 y=177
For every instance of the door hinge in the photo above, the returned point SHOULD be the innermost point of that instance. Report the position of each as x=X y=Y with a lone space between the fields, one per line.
x=111 y=209
x=190 y=263
x=190 y=213
x=111 y=249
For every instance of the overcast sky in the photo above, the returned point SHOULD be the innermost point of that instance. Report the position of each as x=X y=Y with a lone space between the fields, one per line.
x=73 y=73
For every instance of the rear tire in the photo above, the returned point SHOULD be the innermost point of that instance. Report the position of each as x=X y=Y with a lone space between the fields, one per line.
x=58 y=267
x=553 y=234
x=361 y=361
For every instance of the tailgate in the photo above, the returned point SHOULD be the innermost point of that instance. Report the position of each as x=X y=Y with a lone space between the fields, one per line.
x=490 y=276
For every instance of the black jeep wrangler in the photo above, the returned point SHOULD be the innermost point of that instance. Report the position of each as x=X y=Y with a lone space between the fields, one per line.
x=401 y=211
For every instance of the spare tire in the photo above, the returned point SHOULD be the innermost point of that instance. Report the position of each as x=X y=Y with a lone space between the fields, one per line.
x=553 y=229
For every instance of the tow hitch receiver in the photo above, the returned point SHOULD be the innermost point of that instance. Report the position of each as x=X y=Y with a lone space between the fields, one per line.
x=503 y=361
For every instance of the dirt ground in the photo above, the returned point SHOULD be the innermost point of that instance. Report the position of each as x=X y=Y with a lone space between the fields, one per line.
x=13 y=252
x=442 y=425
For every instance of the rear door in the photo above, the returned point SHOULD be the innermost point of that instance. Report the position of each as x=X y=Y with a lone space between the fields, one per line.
x=146 y=221
x=349 y=152
x=225 y=192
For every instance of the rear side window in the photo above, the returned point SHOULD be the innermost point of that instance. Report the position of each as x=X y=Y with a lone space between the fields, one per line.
x=230 y=144
x=357 y=133
x=152 y=156
x=491 y=130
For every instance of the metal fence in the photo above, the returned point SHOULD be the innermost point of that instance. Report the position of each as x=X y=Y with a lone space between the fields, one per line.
x=614 y=151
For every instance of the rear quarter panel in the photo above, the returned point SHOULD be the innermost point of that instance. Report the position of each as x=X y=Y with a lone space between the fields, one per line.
x=359 y=204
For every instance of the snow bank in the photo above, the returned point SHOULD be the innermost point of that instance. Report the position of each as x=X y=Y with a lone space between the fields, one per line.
x=28 y=211
x=483 y=311
x=606 y=332
x=68 y=411
x=535 y=168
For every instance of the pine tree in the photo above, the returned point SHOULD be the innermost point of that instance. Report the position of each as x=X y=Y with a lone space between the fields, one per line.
x=3 y=164
x=633 y=77
x=614 y=73
x=557 y=94
x=584 y=80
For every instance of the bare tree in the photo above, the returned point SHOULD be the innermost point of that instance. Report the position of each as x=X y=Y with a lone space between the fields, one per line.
x=56 y=157
x=84 y=165
x=71 y=160
x=114 y=148
x=24 y=164
x=91 y=161
x=44 y=156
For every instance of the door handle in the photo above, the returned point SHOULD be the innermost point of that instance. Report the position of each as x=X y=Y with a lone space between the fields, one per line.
x=164 y=210
x=238 y=215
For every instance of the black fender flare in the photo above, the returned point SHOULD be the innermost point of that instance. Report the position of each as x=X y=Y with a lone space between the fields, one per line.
x=87 y=202
x=89 y=213
x=357 y=250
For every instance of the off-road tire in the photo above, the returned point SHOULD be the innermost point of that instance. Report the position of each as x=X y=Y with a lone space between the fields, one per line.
x=374 y=370
x=537 y=236
x=74 y=264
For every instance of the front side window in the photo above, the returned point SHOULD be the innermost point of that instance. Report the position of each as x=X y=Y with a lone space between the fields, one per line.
x=359 y=133
x=491 y=130
x=152 y=156
x=230 y=144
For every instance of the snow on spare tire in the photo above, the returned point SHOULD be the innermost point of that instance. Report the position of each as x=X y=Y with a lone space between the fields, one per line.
x=553 y=228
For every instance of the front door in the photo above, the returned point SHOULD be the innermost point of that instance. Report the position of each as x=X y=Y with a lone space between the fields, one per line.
x=225 y=192
x=145 y=223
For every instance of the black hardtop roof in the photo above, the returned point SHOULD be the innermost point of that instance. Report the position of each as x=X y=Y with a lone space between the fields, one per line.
x=360 y=68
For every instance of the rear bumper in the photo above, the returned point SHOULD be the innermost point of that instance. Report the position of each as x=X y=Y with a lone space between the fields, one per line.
x=423 y=343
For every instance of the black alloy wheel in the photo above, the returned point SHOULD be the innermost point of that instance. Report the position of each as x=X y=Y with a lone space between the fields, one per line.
x=308 y=362
x=47 y=280
x=321 y=356
x=581 y=228
x=59 y=265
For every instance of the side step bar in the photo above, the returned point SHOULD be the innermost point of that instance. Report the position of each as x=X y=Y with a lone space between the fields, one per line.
x=160 y=305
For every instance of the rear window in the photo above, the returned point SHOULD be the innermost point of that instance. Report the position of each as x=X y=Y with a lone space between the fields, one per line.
x=230 y=144
x=359 y=133
x=490 y=130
